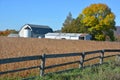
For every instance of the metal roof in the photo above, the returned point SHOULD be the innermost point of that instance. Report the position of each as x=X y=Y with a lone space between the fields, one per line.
x=38 y=29
x=38 y=26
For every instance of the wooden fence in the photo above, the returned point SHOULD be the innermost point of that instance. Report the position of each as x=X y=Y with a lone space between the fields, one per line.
x=43 y=58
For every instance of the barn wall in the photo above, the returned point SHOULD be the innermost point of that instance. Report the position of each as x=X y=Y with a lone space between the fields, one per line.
x=27 y=33
x=21 y=32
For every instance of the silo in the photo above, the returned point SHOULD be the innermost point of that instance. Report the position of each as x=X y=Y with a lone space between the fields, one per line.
x=27 y=32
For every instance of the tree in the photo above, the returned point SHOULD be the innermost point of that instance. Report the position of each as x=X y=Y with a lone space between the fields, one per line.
x=7 y=32
x=13 y=31
x=72 y=25
x=4 y=33
x=99 y=21
x=67 y=23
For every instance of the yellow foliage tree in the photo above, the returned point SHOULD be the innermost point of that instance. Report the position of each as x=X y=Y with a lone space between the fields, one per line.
x=99 y=21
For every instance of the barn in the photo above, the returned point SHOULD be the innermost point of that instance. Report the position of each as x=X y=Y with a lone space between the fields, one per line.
x=68 y=36
x=35 y=31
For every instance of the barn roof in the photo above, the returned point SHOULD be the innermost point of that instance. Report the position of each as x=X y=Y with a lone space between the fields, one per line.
x=37 y=26
x=38 y=29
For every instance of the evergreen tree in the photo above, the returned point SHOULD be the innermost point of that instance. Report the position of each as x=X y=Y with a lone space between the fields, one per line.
x=67 y=23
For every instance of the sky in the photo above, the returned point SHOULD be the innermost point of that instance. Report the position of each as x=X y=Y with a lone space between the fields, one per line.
x=16 y=13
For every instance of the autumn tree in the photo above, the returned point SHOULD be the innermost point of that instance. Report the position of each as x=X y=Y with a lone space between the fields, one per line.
x=7 y=32
x=99 y=21
x=4 y=33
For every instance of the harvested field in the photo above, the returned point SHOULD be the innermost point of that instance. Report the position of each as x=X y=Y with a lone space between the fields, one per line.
x=18 y=47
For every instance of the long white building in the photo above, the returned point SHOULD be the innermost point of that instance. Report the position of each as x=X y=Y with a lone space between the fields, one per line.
x=68 y=36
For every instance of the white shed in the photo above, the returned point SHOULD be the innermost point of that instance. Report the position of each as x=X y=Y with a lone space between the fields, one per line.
x=68 y=36
x=13 y=35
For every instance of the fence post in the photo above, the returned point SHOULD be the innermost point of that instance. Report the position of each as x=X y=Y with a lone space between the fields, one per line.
x=82 y=60
x=102 y=56
x=42 y=65
x=117 y=59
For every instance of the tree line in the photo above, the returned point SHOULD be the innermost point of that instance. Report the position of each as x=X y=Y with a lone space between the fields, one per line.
x=97 y=20
x=7 y=32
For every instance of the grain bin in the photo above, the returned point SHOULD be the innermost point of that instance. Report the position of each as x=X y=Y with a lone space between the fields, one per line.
x=27 y=32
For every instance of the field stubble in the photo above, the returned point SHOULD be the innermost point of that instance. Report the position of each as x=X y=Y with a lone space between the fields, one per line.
x=19 y=47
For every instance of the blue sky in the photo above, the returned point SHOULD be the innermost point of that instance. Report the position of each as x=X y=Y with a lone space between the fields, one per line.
x=15 y=13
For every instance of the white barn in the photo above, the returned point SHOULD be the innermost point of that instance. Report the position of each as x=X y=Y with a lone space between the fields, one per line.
x=68 y=36
x=31 y=30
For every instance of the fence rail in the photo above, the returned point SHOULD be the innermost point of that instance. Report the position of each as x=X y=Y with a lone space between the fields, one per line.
x=43 y=58
x=20 y=59
x=62 y=55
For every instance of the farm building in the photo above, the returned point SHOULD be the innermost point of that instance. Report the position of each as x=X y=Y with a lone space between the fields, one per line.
x=13 y=35
x=35 y=31
x=68 y=36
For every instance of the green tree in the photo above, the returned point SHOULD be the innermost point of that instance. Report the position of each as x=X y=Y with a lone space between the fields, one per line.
x=72 y=25
x=67 y=23
x=76 y=26
x=99 y=21
x=14 y=31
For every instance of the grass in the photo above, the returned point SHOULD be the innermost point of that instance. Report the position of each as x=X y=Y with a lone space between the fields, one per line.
x=19 y=47
x=110 y=71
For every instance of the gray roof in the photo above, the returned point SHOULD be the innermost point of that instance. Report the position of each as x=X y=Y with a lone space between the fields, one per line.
x=38 y=26
x=40 y=29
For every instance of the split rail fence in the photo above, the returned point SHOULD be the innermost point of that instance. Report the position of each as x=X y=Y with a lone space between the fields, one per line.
x=43 y=58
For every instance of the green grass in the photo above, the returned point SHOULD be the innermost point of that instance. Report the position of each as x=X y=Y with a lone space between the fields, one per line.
x=110 y=71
